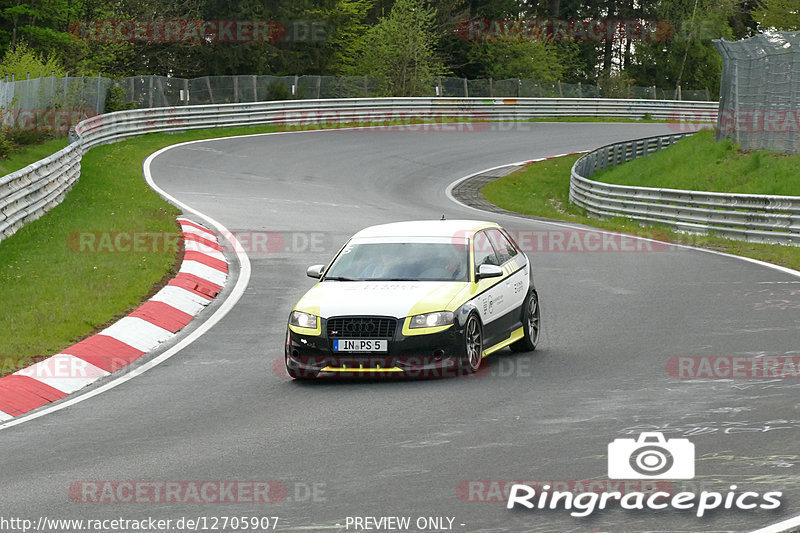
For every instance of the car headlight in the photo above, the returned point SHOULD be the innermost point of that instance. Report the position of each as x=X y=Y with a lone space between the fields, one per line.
x=430 y=320
x=302 y=320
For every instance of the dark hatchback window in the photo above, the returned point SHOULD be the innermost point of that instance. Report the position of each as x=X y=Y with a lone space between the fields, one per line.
x=505 y=250
x=484 y=251
x=409 y=261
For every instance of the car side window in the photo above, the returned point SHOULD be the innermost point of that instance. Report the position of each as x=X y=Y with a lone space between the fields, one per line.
x=483 y=250
x=505 y=250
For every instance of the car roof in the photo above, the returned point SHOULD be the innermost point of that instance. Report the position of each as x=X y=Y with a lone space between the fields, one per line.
x=426 y=228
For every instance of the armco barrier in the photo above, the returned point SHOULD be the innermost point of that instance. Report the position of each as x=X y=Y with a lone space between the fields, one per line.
x=28 y=193
x=751 y=217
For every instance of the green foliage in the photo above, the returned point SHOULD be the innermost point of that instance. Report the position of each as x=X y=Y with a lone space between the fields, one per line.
x=615 y=85
x=688 y=57
x=278 y=91
x=778 y=14
x=400 y=50
x=517 y=59
x=22 y=60
x=19 y=137
x=115 y=100
x=405 y=44
x=6 y=145
x=346 y=23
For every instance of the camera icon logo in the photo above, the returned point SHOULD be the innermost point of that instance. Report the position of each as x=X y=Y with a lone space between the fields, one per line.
x=651 y=457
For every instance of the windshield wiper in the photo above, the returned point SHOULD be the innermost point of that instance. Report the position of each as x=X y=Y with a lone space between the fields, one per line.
x=340 y=278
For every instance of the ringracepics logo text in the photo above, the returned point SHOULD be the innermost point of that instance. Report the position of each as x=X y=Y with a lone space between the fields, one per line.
x=651 y=456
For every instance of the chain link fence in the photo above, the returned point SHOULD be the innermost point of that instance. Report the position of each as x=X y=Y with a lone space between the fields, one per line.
x=86 y=96
x=55 y=92
x=159 y=91
x=760 y=92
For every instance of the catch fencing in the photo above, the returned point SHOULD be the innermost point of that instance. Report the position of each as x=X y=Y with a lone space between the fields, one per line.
x=88 y=94
x=160 y=91
x=760 y=92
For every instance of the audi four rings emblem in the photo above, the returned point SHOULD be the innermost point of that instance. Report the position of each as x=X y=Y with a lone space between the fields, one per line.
x=359 y=327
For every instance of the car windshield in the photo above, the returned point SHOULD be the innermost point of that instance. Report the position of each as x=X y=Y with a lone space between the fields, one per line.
x=401 y=261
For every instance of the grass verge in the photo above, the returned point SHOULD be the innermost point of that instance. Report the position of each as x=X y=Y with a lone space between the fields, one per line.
x=701 y=163
x=542 y=189
x=53 y=295
x=30 y=154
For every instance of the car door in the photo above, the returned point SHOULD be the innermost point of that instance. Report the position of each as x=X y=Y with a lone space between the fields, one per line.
x=490 y=292
x=516 y=280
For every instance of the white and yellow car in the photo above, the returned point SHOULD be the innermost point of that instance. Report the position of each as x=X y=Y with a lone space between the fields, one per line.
x=421 y=298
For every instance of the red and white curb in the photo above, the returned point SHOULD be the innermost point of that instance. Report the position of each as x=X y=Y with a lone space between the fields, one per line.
x=202 y=275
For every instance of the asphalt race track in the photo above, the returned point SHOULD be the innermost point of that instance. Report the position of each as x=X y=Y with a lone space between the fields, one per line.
x=223 y=409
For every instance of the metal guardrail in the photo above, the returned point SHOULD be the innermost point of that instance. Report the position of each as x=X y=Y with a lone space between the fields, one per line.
x=28 y=193
x=750 y=217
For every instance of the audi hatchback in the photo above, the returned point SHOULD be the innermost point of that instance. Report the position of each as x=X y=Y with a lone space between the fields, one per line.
x=423 y=298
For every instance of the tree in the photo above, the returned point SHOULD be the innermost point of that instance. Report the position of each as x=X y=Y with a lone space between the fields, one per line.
x=517 y=59
x=400 y=50
x=778 y=14
x=21 y=61
x=688 y=58
x=345 y=22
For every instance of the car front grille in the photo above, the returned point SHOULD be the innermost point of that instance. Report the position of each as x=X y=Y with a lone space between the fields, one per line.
x=367 y=327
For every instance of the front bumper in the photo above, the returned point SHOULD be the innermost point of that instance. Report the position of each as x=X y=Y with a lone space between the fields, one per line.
x=426 y=355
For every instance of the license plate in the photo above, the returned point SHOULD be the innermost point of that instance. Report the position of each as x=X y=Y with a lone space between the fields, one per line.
x=360 y=345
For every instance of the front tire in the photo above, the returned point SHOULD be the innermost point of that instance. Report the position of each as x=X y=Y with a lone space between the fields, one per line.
x=530 y=325
x=473 y=344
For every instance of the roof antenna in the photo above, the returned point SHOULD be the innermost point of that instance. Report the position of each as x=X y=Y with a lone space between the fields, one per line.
x=442 y=218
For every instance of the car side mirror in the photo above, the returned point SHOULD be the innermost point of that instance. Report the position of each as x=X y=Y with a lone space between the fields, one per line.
x=315 y=271
x=488 y=271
